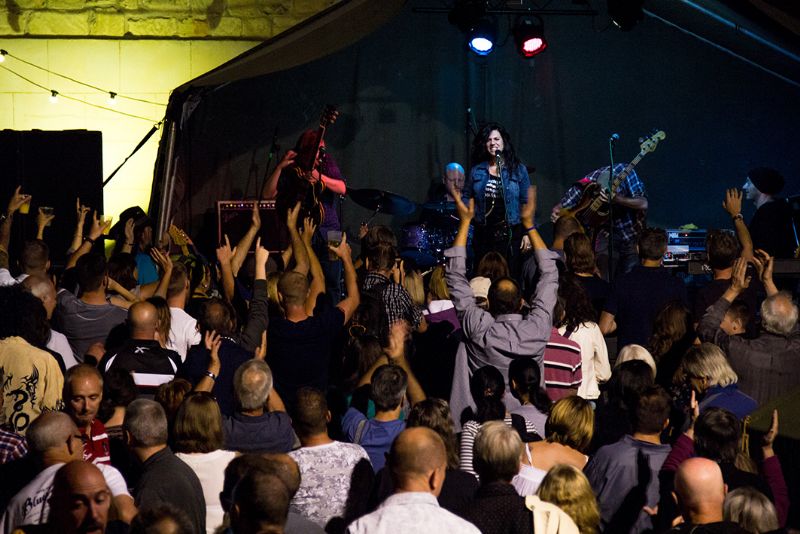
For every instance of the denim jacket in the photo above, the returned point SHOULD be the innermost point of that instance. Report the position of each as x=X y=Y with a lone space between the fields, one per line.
x=515 y=190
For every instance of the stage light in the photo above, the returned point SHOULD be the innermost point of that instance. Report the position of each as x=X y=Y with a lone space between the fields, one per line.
x=481 y=37
x=3 y=55
x=53 y=96
x=529 y=36
x=112 y=98
x=625 y=13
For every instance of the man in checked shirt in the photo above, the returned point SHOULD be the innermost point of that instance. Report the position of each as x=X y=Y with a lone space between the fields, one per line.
x=629 y=211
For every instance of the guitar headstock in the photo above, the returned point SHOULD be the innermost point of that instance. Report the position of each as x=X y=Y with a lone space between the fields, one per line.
x=179 y=237
x=329 y=116
x=649 y=144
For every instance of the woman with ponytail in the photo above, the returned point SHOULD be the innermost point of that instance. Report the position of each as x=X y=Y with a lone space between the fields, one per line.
x=487 y=387
x=525 y=379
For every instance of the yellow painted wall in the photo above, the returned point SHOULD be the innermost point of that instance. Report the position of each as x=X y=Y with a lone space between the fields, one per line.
x=146 y=69
x=139 y=48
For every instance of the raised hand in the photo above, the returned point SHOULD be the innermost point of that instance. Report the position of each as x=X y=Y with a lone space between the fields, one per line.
x=99 y=226
x=308 y=229
x=763 y=262
x=739 y=279
x=291 y=216
x=465 y=211
x=262 y=254
x=287 y=159
x=163 y=261
x=343 y=250
x=213 y=341
x=129 y=226
x=81 y=210
x=398 y=333
x=225 y=253
x=43 y=219
x=733 y=202
x=17 y=199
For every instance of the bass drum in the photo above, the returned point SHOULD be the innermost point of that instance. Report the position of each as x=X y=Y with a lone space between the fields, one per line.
x=415 y=245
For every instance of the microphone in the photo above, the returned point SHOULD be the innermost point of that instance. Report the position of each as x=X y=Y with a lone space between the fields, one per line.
x=614 y=138
x=498 y=156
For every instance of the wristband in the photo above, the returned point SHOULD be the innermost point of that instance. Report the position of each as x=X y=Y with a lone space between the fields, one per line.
x=530 y=229
x=89 y=239
x=211 y=375
x=738 y=217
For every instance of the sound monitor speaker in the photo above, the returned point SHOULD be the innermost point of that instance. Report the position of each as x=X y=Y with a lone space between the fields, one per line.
x=233 y=220
x=55 y=168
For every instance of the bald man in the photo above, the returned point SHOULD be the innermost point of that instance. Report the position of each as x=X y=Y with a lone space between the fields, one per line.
x=143 y=356
x=42 y=288
x=54 y=440
x=83 y=393
x=81 y=500
x=417 y=461
x=700 y=494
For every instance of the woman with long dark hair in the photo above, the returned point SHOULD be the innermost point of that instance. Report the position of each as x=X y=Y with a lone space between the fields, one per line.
x=498 y=182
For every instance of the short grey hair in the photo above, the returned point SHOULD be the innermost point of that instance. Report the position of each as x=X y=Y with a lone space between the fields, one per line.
x=498 y=449
x=252 y=384
x=49 y=430
x=774 y=316
x=146 y=422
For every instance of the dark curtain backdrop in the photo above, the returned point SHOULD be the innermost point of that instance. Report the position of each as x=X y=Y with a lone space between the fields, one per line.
x=403 y=93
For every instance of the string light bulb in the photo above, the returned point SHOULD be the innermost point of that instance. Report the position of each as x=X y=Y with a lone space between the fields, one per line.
x=53 y=96
x=2 y=55
x=112 y=98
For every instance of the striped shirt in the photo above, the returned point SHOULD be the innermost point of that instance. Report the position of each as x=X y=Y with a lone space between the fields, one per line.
x=96 y=448
x=562 y=366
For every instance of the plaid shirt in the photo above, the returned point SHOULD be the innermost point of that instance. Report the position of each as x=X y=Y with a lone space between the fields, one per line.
x=396 y=299
x=627 y=222
x=12 y=446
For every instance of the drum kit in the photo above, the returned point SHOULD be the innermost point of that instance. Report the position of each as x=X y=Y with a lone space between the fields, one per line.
x=422 y=243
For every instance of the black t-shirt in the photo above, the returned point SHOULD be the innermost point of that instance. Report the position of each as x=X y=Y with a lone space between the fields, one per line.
x=597 y=289
x=771 y=229
x=150 y=363
x=299 y=353
x=636 y=299
x=722 y=527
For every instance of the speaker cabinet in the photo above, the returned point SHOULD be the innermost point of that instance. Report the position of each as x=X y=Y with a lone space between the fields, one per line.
x=55 y=168
x=233 y=220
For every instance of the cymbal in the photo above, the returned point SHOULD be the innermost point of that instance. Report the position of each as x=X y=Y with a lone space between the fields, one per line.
x=382 y=201
x=440 y=205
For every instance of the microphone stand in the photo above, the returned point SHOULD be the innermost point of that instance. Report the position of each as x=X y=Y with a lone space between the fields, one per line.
x=611 y=142
x=273 y=150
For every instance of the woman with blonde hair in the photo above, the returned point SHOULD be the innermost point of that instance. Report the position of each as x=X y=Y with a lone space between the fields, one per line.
x=712 y=377
x=568 y=488
x=568 y=434
x=198 y=439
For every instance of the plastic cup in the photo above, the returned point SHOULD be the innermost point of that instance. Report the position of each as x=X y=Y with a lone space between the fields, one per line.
x=26 y=207
x=334 y=240
x=47 y=210
x=106 y=223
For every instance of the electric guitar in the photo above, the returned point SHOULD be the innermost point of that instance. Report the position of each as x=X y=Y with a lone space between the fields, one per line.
x=592 y=209
x=304 y=184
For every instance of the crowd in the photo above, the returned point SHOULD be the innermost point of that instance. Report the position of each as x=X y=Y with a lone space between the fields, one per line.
x=153 y=389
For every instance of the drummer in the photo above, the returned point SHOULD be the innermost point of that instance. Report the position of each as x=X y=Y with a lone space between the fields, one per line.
x=453 y=178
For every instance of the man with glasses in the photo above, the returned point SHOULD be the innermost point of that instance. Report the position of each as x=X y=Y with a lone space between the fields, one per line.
x=55 y=440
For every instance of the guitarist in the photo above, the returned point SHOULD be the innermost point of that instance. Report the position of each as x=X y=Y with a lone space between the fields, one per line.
x=629 y=213
x=325 y=175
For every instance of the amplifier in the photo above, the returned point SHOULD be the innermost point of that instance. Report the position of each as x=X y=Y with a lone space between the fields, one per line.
x=685 y=245
x=233 y=220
